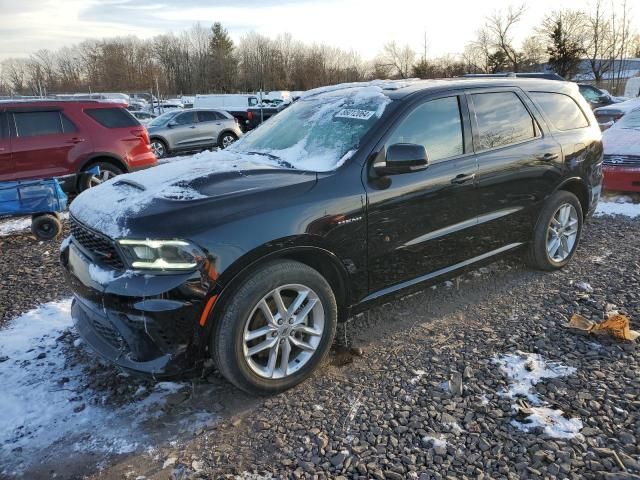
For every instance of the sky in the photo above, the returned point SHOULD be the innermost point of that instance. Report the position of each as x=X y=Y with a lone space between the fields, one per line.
x=360 y=25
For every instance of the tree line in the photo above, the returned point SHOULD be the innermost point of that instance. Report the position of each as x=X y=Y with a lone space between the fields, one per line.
x=207 y=60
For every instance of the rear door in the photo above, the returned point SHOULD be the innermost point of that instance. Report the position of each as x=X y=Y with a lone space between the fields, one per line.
x=44 y=143
x=7 y=169
x=209 y=126
x=519 y=165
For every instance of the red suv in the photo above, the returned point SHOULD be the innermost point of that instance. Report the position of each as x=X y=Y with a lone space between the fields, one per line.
x=42 y=139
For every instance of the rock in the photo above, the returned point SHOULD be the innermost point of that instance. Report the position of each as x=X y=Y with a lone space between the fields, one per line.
x=455 y=384
x=169 y=462
x=338 y=460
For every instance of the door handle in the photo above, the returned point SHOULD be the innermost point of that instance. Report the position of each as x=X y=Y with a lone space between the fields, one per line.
x=76 y=140
x=547 y=157
x=462 y=178
x=192 y=126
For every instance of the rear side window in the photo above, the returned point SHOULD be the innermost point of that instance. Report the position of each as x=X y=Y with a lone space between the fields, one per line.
x=562 y=110
x=209 y=116
x=4 y=126
x=112 y=117
x=502 y=120
x=437 y=125
x=34 y=124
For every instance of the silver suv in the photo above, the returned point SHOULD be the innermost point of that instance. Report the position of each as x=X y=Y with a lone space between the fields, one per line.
x=193 y=129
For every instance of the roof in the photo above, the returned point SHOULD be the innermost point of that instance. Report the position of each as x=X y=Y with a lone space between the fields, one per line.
x=50 y=102
x=399 y=89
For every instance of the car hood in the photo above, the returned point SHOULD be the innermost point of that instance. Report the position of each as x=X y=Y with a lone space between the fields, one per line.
x=189 y=194
x=621 y=141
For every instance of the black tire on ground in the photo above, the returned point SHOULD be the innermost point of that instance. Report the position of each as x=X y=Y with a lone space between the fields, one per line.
x=46 y=226
x=159 y=148
x=226 y=138
x=107 y=171
x=227 y=339
x=537 y=255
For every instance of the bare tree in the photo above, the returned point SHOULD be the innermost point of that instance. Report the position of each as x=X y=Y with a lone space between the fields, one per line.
x=500 y=26
x=600 y=42
x=398 y=60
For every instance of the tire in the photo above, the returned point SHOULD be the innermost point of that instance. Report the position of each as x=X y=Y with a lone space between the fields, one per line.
x=107 y=172
x=226 y=138
x=46 y=227
x=241 y=314
x=159 y=148
x=540 y=252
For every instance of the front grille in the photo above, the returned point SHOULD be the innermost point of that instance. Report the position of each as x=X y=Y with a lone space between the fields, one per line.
x=621 y=160
x=101 y=248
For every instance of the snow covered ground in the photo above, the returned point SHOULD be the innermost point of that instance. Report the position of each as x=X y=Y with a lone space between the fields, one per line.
x=627 y=205
x=51 y=402
x=11 y=225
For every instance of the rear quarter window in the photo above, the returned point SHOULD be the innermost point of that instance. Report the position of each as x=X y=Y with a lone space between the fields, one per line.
x=562 y=110
x=112 y=117
x=4 y=126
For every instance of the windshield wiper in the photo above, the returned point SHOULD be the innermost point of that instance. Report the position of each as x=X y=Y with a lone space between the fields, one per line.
x=271 y=156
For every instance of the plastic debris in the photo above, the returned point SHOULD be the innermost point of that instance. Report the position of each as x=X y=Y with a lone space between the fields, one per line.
x=616 y=325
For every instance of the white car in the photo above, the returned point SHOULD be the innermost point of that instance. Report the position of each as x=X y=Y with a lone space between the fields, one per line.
x=143 y=117
x=621 y=160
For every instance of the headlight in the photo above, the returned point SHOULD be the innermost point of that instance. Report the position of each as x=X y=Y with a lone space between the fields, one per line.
x=161 y=254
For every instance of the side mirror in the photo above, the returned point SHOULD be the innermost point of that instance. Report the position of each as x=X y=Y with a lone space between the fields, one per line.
x=403 y=158
x=171 y=124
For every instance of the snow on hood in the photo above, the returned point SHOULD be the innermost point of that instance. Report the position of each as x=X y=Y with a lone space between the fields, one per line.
x=99 y=207
x=621 y=141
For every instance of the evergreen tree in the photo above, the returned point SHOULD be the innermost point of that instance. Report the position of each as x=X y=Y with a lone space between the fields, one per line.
x=564 y=53
x=224 y=64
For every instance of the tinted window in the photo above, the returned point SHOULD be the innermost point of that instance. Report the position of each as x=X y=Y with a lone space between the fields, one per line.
x=435 y=124
x=562 y=110
x=67 y=125
x=186 y=118
x=32 y=124
x=591 y=94
x=208 y=116
x=112 y=117
x=502 y=119
x=4 y=127
x=253 y=101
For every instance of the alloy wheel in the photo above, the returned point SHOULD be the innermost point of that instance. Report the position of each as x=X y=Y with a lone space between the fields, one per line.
x=562 y=233
x=227 y=140
x=283 y=331
x=158 y=149
x=102 y=177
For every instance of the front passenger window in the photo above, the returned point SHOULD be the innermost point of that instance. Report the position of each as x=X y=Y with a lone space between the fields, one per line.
x=186 y=118
x=436 y=125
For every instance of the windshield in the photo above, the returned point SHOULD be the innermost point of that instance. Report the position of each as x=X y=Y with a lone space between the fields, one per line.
x=319 y=132
x=631 y=120
x=162 y=119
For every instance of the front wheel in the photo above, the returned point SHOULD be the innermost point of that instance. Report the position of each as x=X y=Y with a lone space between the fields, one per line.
x=557 y=232
x=159 y=148
x=275 y=328
x=107 y=172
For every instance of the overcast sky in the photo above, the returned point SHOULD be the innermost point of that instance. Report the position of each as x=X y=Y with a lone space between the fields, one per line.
x=361 y=25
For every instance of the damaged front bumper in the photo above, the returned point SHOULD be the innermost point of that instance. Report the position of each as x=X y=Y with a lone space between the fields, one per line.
x=145 y=324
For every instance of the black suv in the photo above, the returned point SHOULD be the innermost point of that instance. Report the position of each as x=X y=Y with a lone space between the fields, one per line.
x=355 y=193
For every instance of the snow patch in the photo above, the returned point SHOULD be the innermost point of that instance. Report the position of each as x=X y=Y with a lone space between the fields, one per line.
x=47 y=407
x=418 y=375
x=524 y=370
x=621 y=205
x=14 y=225
x=435 y=441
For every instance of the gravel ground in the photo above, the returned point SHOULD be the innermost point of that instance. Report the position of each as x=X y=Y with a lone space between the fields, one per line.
x=422 y=394
x=425 y=397
x=29 y=273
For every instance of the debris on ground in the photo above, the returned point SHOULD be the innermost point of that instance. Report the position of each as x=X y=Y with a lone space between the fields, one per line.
x=616 y=324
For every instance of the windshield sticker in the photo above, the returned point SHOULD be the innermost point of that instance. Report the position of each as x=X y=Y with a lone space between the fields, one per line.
x=355 y=113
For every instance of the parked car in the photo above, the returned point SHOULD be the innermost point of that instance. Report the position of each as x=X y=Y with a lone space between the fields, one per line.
x=194 y=129
x=257 y=115
x=632 y=88
x=596 y=97
x=621 y=163
x=44 y=139
x=610 y=114
x=352 y=195
x=143 y=117
x=237 y=105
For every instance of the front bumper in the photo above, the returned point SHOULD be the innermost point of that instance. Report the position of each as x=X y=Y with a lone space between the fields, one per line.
x=621 y=179
x=146 y=324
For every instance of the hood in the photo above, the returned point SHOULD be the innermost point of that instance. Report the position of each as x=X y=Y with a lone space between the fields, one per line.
x=198 y=190
x=621 y=141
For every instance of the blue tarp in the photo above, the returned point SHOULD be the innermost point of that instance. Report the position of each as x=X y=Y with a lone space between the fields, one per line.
x=31 y=196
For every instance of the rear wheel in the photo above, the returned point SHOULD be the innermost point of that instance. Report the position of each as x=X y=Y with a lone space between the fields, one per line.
x=46 y=227
x=557 y=233
x=275 y=329
x=226 y=139
x=107 y=172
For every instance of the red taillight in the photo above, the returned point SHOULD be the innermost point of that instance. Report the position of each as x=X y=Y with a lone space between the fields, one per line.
x=250 y=115
x=143 y=134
